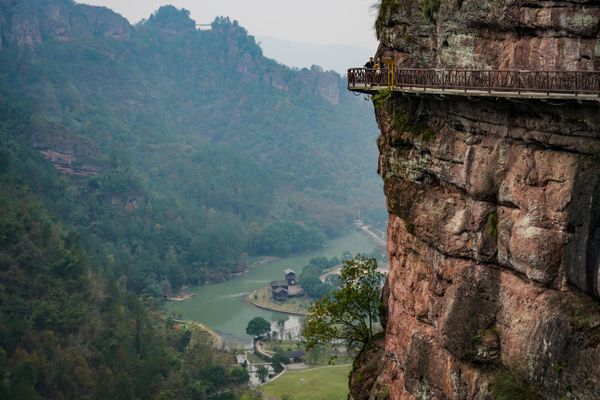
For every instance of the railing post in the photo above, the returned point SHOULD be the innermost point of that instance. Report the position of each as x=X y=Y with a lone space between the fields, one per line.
x=390 y=72
x=443 y=82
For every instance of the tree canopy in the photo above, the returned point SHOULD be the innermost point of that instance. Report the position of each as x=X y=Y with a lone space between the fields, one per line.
x=349 y=313
x=310 y=276
x=68 y=333
x=258 y=327
x=262 y=373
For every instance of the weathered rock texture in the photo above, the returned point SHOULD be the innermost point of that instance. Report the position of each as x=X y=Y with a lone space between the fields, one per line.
x=494 y=226
x=26 y=23
x=70 y=154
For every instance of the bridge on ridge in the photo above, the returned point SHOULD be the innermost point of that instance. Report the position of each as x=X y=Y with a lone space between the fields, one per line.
x=542 y=85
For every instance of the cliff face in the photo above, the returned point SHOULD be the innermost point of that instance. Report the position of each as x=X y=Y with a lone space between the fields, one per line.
x=70 y=154
x=26 y=23
x=494 y=210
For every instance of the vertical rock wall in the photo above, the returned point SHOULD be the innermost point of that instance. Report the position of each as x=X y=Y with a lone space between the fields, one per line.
x=494 y=210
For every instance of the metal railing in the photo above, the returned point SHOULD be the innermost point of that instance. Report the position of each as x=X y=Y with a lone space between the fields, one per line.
x=566 y=82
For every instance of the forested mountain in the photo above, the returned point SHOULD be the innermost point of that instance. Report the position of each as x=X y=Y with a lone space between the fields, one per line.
x=68 y=332
x=137 y=159
x=178 y=152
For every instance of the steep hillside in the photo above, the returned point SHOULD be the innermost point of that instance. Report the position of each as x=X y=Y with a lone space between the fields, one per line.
x=67 y=332
x=135 y=160
x=183 y=150
x=493 y=211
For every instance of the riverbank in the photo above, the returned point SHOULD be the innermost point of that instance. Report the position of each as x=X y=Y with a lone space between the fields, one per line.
x=182 y=295
x=262 y=298
x=224 y=306
x=218 y=341
x=376 y=235
x=265 y=260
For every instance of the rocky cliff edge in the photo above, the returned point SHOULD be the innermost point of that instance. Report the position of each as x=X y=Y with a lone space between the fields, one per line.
x=494 y=211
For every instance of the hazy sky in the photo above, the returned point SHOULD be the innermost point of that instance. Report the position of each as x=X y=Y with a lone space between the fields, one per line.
x=316 y=21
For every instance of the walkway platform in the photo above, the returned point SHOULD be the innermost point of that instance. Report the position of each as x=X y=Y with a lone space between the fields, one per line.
x=551 y=86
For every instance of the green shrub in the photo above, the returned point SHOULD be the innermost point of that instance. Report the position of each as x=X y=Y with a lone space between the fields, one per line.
x=492 y=225
x=425 y=133
x=403 y=121
x=400 y=120
x=382 y=97
x=382 y=394
x=429 y=8
x=508 y=384
x=592 y=156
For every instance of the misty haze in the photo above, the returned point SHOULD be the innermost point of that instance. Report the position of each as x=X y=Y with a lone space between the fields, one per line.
x=267 y=200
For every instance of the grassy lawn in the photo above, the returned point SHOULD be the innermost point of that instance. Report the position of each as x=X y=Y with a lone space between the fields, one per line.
x=319 y=383
x=285 y=345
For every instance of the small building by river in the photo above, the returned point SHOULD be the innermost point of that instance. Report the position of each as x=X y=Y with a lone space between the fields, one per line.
x=283 y=290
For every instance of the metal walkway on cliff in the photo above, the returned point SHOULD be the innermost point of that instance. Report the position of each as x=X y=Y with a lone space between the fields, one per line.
x=544 y=85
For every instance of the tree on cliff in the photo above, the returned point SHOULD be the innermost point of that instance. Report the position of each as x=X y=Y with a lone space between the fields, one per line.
x=351 y=312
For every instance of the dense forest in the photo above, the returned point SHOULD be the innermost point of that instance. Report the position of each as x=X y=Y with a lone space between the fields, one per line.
x=68 y=332
x=138 y=159
x=183 y=151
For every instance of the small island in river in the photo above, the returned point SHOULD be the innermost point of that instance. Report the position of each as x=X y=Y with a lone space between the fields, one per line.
x=263 y=298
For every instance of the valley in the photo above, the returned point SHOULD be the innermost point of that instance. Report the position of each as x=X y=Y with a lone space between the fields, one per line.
x=224 y=308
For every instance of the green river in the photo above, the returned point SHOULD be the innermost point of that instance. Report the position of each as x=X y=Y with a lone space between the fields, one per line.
x=223 y=306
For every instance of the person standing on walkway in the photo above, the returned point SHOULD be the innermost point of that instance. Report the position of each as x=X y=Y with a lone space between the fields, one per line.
x=378 y=66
